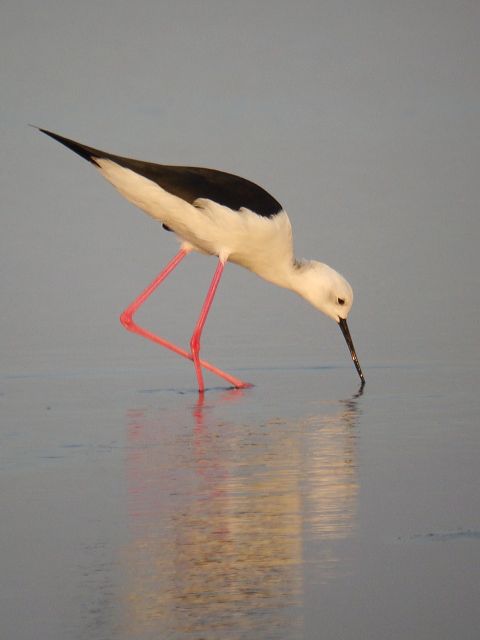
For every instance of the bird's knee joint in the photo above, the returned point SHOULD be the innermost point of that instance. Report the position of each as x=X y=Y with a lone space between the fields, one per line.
x=195 y=345
x=126 y=320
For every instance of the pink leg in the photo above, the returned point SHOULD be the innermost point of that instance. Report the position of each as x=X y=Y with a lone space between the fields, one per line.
x=197 y=332
x=127 y=320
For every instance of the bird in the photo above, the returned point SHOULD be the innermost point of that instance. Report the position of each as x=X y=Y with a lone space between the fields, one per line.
x=223 y=215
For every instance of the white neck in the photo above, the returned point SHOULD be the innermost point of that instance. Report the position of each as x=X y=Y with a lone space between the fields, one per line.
x=302 y=278
x=316 y=282
x=292 y=274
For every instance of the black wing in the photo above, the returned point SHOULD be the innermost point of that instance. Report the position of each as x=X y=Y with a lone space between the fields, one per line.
x=189 y=183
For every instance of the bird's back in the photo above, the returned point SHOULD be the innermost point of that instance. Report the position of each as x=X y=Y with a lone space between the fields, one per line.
x=188 y=183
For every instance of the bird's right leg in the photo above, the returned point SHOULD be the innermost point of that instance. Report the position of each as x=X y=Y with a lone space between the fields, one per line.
x=127 y=316
x=127 y=321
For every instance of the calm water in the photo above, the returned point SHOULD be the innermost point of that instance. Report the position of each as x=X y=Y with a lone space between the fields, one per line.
x=298 y=509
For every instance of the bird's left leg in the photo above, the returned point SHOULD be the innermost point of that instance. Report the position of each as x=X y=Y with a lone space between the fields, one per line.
x=197 y=332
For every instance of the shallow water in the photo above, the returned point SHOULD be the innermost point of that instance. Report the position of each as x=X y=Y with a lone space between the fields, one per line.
x=301 y=508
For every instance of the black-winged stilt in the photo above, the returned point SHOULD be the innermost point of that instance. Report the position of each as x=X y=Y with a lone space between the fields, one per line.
x=219 y=214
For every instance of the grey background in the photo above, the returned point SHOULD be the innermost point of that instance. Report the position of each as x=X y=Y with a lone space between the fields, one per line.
x=360 y=117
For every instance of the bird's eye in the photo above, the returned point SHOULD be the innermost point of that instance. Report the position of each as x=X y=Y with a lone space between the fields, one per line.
x=341 y=301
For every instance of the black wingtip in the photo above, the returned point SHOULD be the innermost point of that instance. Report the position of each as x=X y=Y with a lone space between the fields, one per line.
x=88 y=153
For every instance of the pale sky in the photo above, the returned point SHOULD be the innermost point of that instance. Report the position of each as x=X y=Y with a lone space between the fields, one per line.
x=361 y=117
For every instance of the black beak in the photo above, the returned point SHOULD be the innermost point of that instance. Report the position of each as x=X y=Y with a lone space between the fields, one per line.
x=348 y=338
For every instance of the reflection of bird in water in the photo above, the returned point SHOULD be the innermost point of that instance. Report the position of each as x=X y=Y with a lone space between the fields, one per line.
x=220 y=214
x=219 y=515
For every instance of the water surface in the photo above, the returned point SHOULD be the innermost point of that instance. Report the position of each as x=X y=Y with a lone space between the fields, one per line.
x=272 y=512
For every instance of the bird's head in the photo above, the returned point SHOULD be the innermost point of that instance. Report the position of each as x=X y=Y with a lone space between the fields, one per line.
x=329 y=292
x=326 y=290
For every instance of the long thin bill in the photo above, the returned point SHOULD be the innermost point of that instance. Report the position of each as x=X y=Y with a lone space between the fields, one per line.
x=348 y=339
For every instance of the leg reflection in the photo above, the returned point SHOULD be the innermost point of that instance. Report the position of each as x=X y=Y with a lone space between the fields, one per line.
x=219 y=511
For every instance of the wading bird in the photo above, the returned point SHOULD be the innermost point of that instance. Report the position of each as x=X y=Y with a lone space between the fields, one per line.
x=223 y=215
